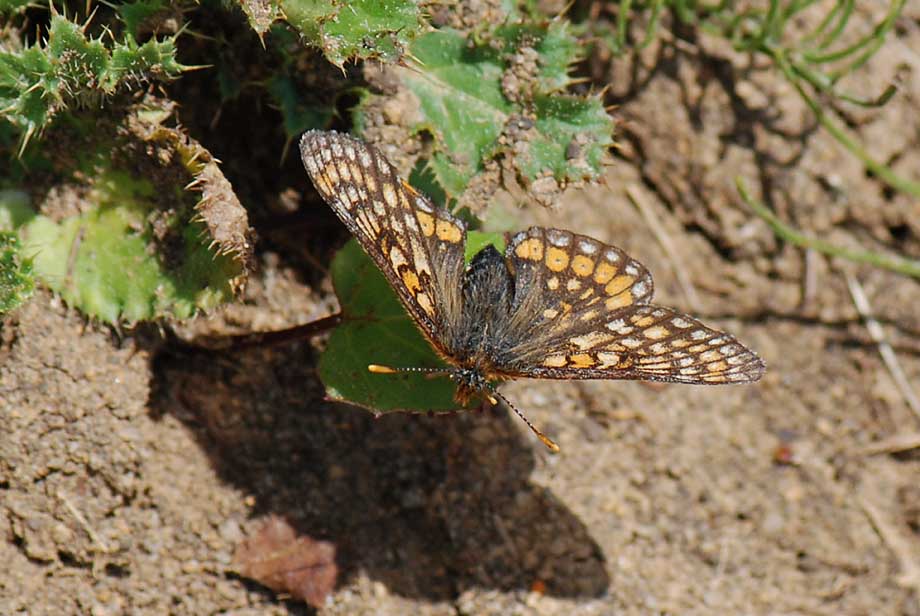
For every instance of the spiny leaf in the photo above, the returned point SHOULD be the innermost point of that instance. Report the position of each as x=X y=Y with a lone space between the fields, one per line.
x=501 y=97
x=361 y=29
x=16 y=281
x=39 y=82
x=377 y=330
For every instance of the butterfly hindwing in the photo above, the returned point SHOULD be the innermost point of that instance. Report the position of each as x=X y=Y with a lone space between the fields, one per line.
x=583 y=312
x=418 y=247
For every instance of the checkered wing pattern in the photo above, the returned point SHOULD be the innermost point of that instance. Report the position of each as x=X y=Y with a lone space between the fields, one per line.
x=419 y=248
x=583 y=312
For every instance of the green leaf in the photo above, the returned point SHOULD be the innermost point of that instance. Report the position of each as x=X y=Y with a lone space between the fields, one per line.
x=465 y=101
x=117 y=235
x=87 y=258
x=377 y=330
x=361 y=29
x=298 y=114
x=16 y=281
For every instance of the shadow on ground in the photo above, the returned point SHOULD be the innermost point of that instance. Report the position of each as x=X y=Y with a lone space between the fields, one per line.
x=429 y=506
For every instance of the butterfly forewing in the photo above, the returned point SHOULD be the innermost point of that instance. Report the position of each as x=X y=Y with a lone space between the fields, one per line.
x=583 y=313
x=419 y=248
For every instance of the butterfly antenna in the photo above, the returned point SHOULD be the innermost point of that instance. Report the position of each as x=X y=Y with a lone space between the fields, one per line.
x=550 y=444
x=378 y=369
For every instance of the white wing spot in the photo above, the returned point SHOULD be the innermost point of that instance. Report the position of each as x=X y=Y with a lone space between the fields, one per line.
x=631 y=343
x=612 y=255
x=558 y=238
x=423 y=205
x=588 y=248
x=700 y=334
x=619 y=326
x=336 y=148
x=389 y=195
x=352 y=193
x=365 y=158
x=681 y=323
x=639 y=289
x=608 y=359
x=631 y=269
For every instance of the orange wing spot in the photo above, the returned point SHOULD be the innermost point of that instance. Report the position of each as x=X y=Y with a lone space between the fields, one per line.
x=618 y=284
x=604 y=273
x=717 y=366
x=530 y=249
x=588 y=293
x=426 y=222
x=582 y=265
x=448 y=231
x=410 y=279
x=355 y=173
x=587 y=316
x=425 y=303
x=710 y=356
x=680 y=343
x=656 y=333
x=582 y=360
x=556 y=259
x=714 y=378
x=550 y=313
x=566 y=307
x=555 y=361
x=573 y=284
x=619 y=301
x=642 y=320
x=552 y=283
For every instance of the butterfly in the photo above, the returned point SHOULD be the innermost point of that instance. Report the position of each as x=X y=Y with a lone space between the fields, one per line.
x=555 y=305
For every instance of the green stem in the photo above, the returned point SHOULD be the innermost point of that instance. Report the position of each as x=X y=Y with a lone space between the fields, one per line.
x=881 y=170
x=900 y=265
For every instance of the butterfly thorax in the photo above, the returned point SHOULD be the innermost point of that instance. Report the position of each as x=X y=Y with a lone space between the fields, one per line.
x=488 y=294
